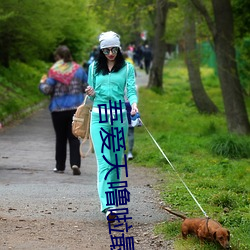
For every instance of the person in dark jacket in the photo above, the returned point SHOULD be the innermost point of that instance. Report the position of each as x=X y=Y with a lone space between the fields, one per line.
x=147 y=54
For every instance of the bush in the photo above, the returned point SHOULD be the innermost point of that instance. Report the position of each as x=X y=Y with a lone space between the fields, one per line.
x=231 y=146
x=223 y=200
x=19 y=88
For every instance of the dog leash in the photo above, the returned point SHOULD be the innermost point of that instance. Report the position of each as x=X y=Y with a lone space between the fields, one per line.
x=174 y=169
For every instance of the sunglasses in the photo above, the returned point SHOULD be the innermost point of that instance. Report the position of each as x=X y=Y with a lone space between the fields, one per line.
x=106 y=51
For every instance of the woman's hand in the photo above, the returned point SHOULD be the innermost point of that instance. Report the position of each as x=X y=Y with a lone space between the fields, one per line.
x=134 y=109
x=43 y=79
x=90 y=91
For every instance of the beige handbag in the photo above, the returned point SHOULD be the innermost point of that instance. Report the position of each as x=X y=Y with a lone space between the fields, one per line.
x=81 y=126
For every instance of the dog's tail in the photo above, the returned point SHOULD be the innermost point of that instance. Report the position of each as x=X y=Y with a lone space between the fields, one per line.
x=175 y=213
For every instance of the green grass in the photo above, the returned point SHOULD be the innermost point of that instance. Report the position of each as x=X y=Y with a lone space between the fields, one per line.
x=214 y=164
x=19 y=87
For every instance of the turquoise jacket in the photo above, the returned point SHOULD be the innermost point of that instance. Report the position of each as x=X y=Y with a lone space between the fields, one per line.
x=113 y=86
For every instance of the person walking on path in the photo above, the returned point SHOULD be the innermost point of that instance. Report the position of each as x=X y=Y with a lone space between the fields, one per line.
x=65 y=84
x=147 y=54
x=131 y=129
x=108 y=78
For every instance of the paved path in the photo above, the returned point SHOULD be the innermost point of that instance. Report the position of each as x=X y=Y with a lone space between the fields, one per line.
x=31 y=191
x=141 y=78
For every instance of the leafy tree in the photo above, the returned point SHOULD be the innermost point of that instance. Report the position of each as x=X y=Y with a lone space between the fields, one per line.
x=126 y=17
x=201 y=99
x=156 y=72
x=242 y=33
x=221 y=28
x=28 y=33
x=175 y=24
x=22 y=35
x=241 y=18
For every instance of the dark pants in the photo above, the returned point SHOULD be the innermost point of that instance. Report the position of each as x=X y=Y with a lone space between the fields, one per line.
x=147 y=65
x=130 y=129
x=62 y=122
x=131 y=139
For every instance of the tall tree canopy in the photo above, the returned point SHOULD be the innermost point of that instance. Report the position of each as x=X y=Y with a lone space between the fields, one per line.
x=126 y=17
x=27 y=32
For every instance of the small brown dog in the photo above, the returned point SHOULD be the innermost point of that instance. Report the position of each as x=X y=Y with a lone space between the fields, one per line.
x=204 y=229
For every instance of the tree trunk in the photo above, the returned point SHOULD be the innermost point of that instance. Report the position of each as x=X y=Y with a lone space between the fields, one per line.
x=235 y=109
x=223 y=38
x=201 y=99
x=159 y=47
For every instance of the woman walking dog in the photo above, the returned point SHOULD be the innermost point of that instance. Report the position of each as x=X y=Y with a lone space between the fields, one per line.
x=108 y=78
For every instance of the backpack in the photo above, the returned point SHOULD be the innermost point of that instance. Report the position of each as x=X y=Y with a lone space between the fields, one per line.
x=81 y=125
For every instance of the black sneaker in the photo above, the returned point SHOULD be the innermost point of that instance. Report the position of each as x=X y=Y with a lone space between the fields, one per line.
x=76 y=170
x=58 y=171
x=111 y=215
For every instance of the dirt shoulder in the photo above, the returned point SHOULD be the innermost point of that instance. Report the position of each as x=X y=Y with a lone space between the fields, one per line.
x=43 y=210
